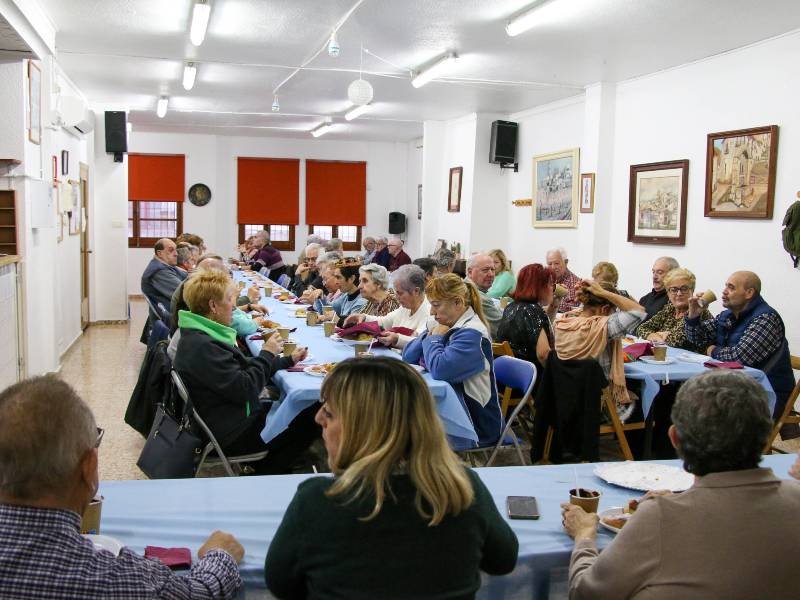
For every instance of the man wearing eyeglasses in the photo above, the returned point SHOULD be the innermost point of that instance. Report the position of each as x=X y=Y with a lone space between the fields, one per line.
x=48 y=475
x=657 y=298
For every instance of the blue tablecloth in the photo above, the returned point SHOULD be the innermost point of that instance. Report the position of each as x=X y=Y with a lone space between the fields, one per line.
x=652 y=376
x=184 y=512
x=300 y=390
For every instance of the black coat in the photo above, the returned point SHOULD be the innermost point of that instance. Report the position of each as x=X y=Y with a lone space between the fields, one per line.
x=224 y=384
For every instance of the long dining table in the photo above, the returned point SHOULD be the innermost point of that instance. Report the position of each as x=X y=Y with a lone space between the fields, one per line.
x=183 y=512
x=299 y=390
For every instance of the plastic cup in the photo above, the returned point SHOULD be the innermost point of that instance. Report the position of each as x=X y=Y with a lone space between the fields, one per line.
x=289 y=346
x=90 y=522
x=588 y=500
x=360 y=349
x=660 y=352
x=284 y=332
x=329 y=327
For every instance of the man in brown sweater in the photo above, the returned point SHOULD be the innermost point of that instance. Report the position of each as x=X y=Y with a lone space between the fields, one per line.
x=733 y=534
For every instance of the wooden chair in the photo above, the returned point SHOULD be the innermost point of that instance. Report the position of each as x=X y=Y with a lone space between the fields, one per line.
x=504 y=349
x=787 y=416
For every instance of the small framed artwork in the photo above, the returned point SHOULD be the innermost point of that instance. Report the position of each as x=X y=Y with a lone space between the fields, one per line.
x=454 y=193
x=740 y=173
x=657 y=203
x=419 y=201
x=64 y=162
x=555 y=189
x=587 y=192
x=55 y=169
x=34 y=103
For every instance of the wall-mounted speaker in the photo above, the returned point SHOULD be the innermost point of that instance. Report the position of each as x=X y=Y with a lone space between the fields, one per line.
x=116 y=134
x=397 y=222
x=503 y=146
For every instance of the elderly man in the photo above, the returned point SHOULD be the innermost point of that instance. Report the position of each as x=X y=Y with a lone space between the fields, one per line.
x=267 y=257
x=480 y=272
x=657 y=298
x=307 y=273
x=185 y=258
x=369 y=250
x=557 y=260
x=162 y=275
x=695 y=544
x=397 y=254
x=48 y=475
x=428 y=266
x=445 y=261
x=382 y=256
x=749 y=331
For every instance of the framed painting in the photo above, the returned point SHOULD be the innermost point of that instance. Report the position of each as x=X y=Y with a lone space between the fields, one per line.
x=587 y=192
x=454 y=190
x=556 y=189
x=657 y=203
x=740 y=173
x=34 y=103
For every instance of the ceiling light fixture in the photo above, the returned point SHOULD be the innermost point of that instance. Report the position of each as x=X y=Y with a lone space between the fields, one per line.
x=200 y=15
x=334 y=50
x=525 y=20
x=189 y=74
x=322 y=129
x=357 y=112
x=425 y=75
x=161 y=107
x=276 y=106
x=360 y=91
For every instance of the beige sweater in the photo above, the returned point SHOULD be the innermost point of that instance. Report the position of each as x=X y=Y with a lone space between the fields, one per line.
x=402 y=317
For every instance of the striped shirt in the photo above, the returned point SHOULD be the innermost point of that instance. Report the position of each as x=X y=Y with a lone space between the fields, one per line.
x=43 y=555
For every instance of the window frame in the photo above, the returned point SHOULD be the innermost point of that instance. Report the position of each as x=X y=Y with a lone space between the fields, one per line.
x=278 y=245
x=136 y=241
x=346 y=246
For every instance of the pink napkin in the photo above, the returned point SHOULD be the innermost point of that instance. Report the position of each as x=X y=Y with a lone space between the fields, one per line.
x=174 y=558
x=370 y=327
x=401 y=330
x=734 y=364
x=638 y=350
x=297 y=368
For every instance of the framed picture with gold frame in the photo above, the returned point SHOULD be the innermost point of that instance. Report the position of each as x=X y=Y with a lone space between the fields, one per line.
x=587 y=192
x=556 y=189
x=454 y=189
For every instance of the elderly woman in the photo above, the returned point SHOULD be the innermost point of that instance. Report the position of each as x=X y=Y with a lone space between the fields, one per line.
x=526 y=323
x=607 y=271
x=709 y=541
x=396 y=488
x=350 y=300
x=413 y=313
x=445 y=261
x=373 y=283
x=596 y=331
x=455 y=347
x=504 y=280
x=330 y=287
x=225 y=385
x=667 y=325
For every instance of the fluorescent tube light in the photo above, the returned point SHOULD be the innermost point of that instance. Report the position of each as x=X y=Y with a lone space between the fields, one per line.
x=200 y=15
x=161 y=107
x=524 y=21
x=425 y=75
x=321 y=130
x=189 y=74
x=357 y=112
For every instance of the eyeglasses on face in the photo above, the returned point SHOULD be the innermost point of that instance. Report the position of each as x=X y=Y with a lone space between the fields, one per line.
x=684 y=289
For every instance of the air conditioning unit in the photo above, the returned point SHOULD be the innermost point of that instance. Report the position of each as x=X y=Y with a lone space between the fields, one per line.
x=74 y=116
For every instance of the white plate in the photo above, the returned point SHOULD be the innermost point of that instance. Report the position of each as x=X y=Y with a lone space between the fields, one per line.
x=614 y=511
x=306 y=359
x=313 y=373
x=693 y=358
x=645 y=476
x=652 y=361
x=104 y=542
x=296 y=316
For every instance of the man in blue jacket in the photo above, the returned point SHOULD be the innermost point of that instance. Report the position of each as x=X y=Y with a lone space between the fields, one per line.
x=751 y=332
x=162 y=276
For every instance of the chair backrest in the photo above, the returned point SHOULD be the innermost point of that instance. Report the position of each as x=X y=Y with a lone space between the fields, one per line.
x=264 y=271
x=502 y=349
x=284 y=280
x=795 y=362
x=515 y=373
x=159 y=332
x=152 y=305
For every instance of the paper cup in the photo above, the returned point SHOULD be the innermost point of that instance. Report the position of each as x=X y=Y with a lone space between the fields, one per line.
x=329 y=327
x=268 y=291
x=708 y=297
x=360 y=348
x=560 y=291
x=588 y=500
x=327 y=310
x=289 y=346
x=659 y=353
x=311 y=318
x=284 y=332
x=90 y=522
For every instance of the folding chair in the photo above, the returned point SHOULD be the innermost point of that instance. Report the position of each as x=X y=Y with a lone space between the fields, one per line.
x=788 y=416
x=513 y=373
x=506 y=401
x=212 y=445
x=264 y=271
x=284 y=281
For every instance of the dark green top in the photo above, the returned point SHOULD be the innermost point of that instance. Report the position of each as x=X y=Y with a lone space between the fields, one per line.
x=322 y=550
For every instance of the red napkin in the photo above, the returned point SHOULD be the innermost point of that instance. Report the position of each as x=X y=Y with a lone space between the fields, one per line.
x=370 y=327
x=401 y=330
x=734 y=364
x=174 y=558
x=634 y=351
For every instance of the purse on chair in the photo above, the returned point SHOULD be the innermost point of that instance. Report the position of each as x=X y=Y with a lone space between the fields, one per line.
x=171 y=451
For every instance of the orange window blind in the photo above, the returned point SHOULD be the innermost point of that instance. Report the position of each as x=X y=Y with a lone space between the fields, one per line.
x=268 y=190
x=336 y=193
x=157 y=177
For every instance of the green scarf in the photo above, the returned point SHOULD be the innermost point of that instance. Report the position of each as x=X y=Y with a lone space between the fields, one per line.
x=221 y=333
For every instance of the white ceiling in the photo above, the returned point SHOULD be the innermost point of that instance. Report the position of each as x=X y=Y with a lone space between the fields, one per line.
x=128 y=52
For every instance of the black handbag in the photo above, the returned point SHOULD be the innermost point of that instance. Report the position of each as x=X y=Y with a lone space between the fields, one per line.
x=171 y=451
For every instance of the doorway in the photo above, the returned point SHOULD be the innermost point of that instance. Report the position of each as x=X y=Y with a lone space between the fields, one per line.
x=85 y=251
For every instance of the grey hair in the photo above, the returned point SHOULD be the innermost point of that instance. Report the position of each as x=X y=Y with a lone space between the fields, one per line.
x=315 y=239
x=382 y=239
x=561 y=251
x=671 y=262
x=45 y=430
x=333 y=245
x=408 y=277
x=722 y=421
x=195 y=250
x=378 y=273
x=329 y=257
x=369 y=238
x=184 y=254
x=474 y=258
x=397 y=240
x=444 y=258
x=312 y=246
x=262 y=233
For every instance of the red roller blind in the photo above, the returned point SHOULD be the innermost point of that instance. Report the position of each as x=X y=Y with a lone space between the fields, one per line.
x=268 y=191
x=158 y=177
x=336 y=193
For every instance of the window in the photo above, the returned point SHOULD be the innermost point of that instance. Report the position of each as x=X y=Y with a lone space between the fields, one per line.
x=150 y=221
x=349 y=234
x=281 y=236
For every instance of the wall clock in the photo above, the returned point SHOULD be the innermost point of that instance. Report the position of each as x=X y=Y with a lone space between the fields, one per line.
x=199 y=194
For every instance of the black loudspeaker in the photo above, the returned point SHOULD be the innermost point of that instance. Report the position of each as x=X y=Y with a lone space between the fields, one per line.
x=116 y=134
x=503 y=147
x=397 y=222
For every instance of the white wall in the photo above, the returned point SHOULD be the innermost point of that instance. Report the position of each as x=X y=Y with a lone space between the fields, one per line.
x=212 y=160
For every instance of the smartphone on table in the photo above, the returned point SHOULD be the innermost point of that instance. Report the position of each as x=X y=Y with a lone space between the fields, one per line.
x=522 y=507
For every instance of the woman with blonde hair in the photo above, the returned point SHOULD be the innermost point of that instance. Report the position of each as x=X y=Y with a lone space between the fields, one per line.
x=455 y=347
x=401 y=517
x=504 y=279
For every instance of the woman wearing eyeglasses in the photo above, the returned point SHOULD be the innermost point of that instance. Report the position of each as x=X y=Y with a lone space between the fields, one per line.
x=667 y=324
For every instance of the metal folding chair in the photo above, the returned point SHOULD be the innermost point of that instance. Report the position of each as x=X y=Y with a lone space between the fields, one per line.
x=284 y=281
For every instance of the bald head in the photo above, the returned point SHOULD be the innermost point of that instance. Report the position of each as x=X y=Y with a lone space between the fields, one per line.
x=740 y=289
x=749 y=280
x=166 y=251
x=480 y=270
